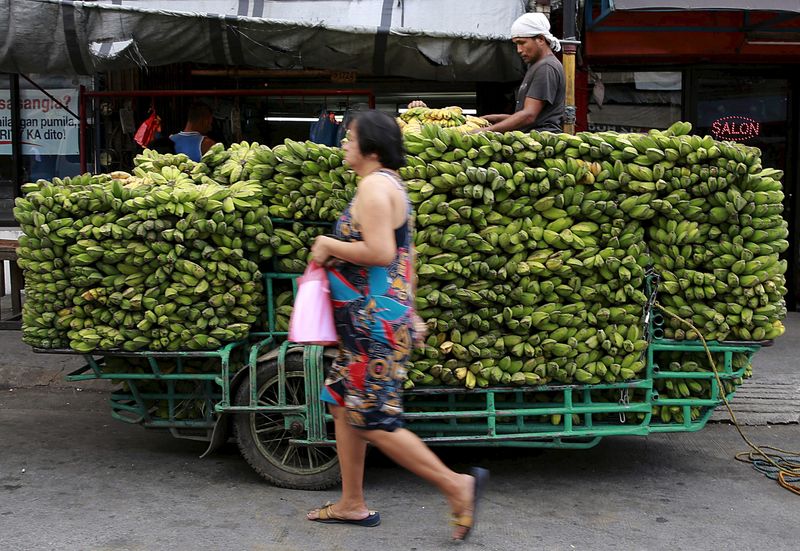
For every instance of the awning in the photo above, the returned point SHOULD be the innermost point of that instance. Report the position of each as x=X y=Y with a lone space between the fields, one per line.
x=763 y=5
x=678 y=31
x=459 y=40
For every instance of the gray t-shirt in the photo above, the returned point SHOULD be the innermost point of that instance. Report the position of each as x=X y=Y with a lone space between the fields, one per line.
x=544 y=81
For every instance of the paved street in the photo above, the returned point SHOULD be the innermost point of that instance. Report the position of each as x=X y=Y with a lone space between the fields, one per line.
x=73 y=478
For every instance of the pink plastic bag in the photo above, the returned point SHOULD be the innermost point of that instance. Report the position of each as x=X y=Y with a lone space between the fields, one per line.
x=312 y=316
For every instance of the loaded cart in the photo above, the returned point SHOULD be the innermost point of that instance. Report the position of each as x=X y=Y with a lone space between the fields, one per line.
x=576 y=287
x=265 y=392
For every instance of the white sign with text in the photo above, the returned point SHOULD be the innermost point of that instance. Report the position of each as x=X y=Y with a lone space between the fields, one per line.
x=47 y=129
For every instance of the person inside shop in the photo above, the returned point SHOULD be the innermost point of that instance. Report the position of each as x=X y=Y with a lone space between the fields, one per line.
x=372 y=284
x=162 y=144
x=540 y=98
x=192 y=141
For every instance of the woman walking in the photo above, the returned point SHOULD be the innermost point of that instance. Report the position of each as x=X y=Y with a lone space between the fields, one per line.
x=371 y=273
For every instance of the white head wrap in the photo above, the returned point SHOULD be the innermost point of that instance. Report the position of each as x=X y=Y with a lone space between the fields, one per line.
x=534 y=24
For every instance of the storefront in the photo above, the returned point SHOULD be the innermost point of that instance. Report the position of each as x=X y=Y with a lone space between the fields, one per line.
x=255 y=105
x=731 y=68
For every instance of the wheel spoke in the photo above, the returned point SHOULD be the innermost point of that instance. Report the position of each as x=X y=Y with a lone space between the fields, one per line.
x=270 y=427
x=320 y=454
x=263 y=401
x=268 y=415
x=277 y=439
x=293 y=390
x=289 y=451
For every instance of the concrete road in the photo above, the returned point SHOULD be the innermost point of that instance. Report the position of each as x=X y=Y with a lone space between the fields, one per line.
x=73 y=478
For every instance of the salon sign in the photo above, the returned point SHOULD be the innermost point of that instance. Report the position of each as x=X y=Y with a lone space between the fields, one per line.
x=735 y=128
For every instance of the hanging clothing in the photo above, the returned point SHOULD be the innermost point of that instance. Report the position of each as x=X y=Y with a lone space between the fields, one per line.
x=324 y=130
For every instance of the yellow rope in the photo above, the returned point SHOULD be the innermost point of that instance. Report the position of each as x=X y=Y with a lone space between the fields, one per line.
x=784 y=466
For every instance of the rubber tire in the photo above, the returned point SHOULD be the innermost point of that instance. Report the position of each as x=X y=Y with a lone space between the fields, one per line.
x=251 y=451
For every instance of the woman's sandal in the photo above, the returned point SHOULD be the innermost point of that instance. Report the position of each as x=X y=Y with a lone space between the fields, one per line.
x=470 y=521
x=326 y=516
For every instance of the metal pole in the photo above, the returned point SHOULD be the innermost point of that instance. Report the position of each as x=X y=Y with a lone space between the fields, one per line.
x=570 y=45
x=570 y=48
x=82 y=126
x=214 y=93
x=570 y=16
x=97 y=129
x=18 y=173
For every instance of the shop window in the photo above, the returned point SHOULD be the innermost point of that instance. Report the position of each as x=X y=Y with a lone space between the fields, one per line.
x=50 y=137
x=626 y=101
x=748 y=108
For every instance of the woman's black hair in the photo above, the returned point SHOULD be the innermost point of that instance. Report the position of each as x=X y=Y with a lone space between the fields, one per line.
x=378 y=133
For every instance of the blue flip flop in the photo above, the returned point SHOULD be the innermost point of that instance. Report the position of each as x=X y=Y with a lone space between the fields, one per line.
x=470 y=521
x=326 y=517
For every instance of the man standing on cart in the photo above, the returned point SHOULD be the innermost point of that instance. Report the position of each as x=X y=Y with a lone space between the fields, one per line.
x=540 y=97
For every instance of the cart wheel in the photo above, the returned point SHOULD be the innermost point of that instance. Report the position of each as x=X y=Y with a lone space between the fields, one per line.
x=264 y=440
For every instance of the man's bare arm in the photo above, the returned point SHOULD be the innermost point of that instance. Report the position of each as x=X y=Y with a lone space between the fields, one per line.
x=522 y=118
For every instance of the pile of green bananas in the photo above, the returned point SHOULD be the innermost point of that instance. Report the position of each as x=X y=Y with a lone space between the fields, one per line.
x=306 y=181
x=715 y=228
x=153 y=262
x=717 y=246
x=531 y=262
x=532 y=248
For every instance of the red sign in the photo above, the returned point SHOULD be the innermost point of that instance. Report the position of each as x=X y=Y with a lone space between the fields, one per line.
x=735 y=128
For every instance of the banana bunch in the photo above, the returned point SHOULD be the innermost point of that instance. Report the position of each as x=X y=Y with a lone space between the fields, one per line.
x=240 y=162
x=283 y=310
x=292 y=245
x=447 y=117
x=150 y=160
x=215 y=156
x=167 y=175
x=412 y=120
x=308 y=182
